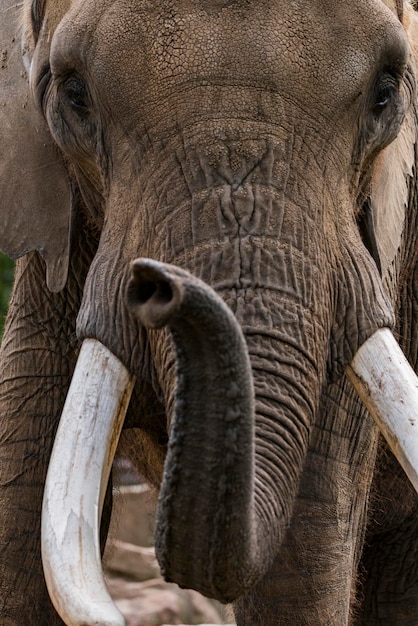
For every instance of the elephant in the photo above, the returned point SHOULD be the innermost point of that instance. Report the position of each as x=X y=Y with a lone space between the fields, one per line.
x=212 y=204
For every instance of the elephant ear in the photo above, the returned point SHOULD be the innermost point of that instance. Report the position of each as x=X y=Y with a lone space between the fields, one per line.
x=390 y=191
x=35 y=197
x=396 y=6
x=394 y=171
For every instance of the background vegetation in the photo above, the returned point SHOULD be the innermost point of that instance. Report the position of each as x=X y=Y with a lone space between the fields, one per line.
x=6 y=280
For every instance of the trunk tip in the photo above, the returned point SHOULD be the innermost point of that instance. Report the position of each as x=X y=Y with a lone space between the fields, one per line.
x=155 y=292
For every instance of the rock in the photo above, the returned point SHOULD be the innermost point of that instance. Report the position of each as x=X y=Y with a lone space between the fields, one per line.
x=124 y=473
x=155 y=602
x=133 y=515
x=133 y=562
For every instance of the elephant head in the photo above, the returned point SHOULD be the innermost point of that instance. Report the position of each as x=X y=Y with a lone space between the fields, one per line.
x=237 y=171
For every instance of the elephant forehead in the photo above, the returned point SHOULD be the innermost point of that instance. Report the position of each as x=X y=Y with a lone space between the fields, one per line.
x=143 y=50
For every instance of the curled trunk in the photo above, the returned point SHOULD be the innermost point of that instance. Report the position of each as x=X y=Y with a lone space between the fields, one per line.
x=240 y=430
x=236 y=446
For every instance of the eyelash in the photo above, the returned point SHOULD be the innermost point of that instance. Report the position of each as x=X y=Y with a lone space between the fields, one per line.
x=386 y=92
x=76 y=95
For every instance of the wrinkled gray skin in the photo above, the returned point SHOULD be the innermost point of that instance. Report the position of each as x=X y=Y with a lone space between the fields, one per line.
x=240 y=140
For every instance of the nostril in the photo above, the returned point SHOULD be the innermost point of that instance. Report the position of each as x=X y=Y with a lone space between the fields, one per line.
x=154 y=292
x=145 y=291
x=159 y=292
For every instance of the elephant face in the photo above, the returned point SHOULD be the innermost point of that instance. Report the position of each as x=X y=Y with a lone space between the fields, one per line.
x=243 y=142
x=238 y=136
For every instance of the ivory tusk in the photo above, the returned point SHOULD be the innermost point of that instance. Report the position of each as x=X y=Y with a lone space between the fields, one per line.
x=76 y=484
x=388 y=386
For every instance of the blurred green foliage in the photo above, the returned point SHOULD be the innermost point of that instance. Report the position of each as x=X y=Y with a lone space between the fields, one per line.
x=6 y=281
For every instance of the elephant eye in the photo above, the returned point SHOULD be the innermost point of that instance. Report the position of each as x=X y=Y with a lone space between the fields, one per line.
x=76 y=95
x=386 y=93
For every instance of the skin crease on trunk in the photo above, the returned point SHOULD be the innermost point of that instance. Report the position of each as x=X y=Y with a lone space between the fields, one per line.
x=234 y=139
